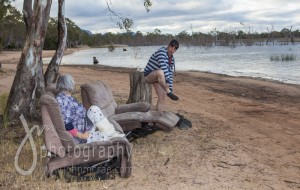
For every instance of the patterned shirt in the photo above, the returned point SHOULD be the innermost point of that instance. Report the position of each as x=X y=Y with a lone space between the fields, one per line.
x=73 y=112
x=160 y=60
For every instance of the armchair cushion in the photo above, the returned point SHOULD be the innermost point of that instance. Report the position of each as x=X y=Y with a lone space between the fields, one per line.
x=129 y=116
x=133 y=107
x=90 y=96
x=165 y=121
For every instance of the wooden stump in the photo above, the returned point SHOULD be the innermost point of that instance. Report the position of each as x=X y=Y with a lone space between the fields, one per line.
x=140 y=91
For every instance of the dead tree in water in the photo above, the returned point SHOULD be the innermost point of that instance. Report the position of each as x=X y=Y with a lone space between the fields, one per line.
x=271 y=35
x=140 y=91
x=292 y=37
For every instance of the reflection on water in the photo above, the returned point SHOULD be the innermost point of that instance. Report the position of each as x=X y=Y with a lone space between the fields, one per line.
x=253 y=61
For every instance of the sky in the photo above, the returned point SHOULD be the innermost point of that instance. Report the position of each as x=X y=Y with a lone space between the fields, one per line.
x=175 y=16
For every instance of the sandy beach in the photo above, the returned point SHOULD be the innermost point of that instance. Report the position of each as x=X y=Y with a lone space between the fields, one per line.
x=245 y=134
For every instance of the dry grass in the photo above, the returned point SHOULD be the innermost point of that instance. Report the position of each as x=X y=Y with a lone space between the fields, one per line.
x=11 y=138
x=158 y=151
x=3 y=102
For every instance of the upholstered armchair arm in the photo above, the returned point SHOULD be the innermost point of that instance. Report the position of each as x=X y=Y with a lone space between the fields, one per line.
x=133 y=107
x=116 y=125
x=93 y=145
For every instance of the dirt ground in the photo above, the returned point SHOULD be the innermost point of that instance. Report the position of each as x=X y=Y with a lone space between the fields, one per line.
x=245 y=134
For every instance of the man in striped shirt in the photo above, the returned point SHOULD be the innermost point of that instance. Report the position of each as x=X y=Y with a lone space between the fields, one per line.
x=159 y=72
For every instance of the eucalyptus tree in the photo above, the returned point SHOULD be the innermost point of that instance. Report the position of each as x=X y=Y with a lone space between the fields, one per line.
x=154 y=38
x=74 y=32
x=184 y=37
x=29 y=81
x=137 y=39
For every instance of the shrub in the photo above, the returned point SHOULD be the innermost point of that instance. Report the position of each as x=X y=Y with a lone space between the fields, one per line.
x=111 y=47
x=288 y=57
x=283 y=57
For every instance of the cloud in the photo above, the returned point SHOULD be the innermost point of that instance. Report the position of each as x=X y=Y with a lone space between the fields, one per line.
x=174 y=16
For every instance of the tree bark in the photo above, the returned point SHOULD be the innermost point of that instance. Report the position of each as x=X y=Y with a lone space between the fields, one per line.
x=29 y=80
x=53 y=67
x=140 y=91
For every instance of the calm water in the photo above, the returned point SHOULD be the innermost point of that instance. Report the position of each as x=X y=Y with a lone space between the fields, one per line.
x=253 y=61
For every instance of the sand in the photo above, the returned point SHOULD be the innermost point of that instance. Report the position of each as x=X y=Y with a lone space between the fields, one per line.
x=245 y=134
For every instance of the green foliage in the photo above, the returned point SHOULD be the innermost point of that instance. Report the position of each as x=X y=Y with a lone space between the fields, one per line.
x=147 y=4
x=122 y=22
x=157 y=31
x=11 y=26
x=11 y=46
x=3 y=8
x=51 y=35
x=125 y=23
x=75 y=35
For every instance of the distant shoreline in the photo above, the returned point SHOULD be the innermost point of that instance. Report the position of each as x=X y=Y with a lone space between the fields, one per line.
x=12 y=57
x=99 y=67
x=247 y=62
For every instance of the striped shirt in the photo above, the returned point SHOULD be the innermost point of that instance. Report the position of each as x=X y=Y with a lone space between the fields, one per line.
x=160 y=60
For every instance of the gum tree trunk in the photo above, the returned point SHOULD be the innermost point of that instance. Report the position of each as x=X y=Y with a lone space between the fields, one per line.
x=53 y=67
x=140 y=91
x=29 y=80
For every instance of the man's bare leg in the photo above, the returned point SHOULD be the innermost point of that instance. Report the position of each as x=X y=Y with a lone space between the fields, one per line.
x=157 y=76
x=161 y=93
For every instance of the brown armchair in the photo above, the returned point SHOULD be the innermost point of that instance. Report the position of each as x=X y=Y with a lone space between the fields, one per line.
x=129 y=116
x=65 y=153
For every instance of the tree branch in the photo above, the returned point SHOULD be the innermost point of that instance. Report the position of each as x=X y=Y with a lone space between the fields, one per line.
x=27 y=13
x=53 y=67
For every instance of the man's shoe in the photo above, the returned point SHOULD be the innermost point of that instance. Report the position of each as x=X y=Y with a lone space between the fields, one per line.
x=184 y=120
x=172 y=96
x=181 y=125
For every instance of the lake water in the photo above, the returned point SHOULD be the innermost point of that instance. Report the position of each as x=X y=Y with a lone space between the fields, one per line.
x=252 y=61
